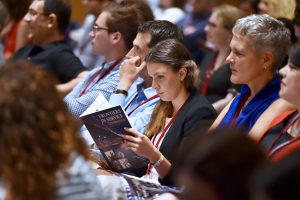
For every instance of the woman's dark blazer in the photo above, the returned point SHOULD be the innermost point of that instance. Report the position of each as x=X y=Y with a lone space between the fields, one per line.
x=196 y=113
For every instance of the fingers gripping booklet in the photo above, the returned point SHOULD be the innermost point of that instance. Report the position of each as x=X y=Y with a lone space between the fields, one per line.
x=106 y=126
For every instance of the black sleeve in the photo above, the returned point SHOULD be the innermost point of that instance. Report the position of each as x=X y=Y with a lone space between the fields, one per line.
x=66 y=65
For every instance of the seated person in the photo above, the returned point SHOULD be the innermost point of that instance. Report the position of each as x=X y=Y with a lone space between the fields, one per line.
x=47 y=21
x=14 y=35
x=219 y=166
x=141 y=97
x=253 y=59
x=42 y=155
x=181 y=108
x=193 y=25
x=136 y=96
x=112 y=38
x=285 y=129
x=215 y=73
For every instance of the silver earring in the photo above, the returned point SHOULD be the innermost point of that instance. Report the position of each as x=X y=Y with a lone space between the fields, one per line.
x=49 y=25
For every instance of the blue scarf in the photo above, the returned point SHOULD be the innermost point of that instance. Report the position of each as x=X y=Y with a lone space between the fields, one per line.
x=258 y=104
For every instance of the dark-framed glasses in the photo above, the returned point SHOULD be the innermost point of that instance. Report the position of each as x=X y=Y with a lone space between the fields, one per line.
x=97 y=28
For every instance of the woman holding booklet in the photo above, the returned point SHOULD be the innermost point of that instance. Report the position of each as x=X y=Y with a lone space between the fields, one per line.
x=181 y=109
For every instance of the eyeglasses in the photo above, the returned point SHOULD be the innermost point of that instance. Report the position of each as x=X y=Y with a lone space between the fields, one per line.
x=97 y=28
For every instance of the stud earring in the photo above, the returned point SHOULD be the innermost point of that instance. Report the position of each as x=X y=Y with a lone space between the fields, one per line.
x=49 y=25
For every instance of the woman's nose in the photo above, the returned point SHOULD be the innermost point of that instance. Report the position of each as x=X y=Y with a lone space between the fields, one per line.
x=154 y=84
x=229 y=59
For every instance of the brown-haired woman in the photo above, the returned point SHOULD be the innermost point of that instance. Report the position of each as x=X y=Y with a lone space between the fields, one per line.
x=42 y=157
x=181 y=109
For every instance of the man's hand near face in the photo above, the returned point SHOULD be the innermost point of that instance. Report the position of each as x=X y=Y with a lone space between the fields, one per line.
x=129 y=72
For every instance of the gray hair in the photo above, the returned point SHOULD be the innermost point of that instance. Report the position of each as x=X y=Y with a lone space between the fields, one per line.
x=266 y=34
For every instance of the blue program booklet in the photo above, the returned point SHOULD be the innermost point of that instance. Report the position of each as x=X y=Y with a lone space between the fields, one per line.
x=107 y=129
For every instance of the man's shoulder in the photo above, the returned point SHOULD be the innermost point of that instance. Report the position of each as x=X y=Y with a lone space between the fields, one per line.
x=23 y=52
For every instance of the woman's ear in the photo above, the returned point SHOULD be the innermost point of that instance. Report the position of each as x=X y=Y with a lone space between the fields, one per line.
x=182 y=73
x=268 y=60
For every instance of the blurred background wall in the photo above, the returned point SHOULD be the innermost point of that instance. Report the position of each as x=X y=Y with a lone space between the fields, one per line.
x=78 y=13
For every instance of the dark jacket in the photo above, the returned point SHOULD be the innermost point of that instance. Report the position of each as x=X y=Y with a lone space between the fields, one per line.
x=196 y=113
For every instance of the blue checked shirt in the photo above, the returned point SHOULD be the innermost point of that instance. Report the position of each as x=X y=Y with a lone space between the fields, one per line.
x=78 y=104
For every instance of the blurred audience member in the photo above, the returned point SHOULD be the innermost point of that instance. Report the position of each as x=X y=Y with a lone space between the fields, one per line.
x=42 y=155
x=142 y=6
x=171 y=10
x=249 y=6
x=47 y=21
x=16 y=30
x=214 y=72
x=219 y=166
x=279 y=181
x=296 y=20
x=277 y=8
x=289 y=25
x=83 y=48
x=254 y=59
x=193 y=25
x=4 y=17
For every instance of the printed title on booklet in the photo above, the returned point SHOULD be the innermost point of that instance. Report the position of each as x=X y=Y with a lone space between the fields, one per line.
x=111 y=116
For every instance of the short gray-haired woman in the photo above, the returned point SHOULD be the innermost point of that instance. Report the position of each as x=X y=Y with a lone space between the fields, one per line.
x=258 y=48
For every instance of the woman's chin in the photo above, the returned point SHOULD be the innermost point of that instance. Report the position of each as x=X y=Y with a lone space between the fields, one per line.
x=235 y=80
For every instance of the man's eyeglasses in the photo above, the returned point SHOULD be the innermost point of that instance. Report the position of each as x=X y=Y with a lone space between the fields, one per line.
x=97 y=28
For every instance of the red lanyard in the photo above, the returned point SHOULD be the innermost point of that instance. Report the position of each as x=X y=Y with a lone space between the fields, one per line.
x=98 y=74
x=150 y=99
x=271 y=151
x=238 y=110
x=283 y=145
x=208 y=75
x=164 y=131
